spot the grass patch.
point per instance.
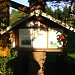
(72, 55)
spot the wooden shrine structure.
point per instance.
(33, 35)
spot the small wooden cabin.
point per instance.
(37, 32)
(33, 36)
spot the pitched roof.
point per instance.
(37, 13)
(65, 25)
(15, 24)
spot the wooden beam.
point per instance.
(19, 6)
(39, 49)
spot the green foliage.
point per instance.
(71, 42)
(49, 11)
(5, 69)
(62, 15)
(16, 15)
(72, 55)
(66, 13)
(57, 14)
(71, 45)
(13, 54)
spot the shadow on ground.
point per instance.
(20, 65)
(54, 65)
(59, 65)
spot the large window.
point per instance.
(54, 40)
(35, 38)
(40, 38)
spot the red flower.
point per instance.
(61, 38)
